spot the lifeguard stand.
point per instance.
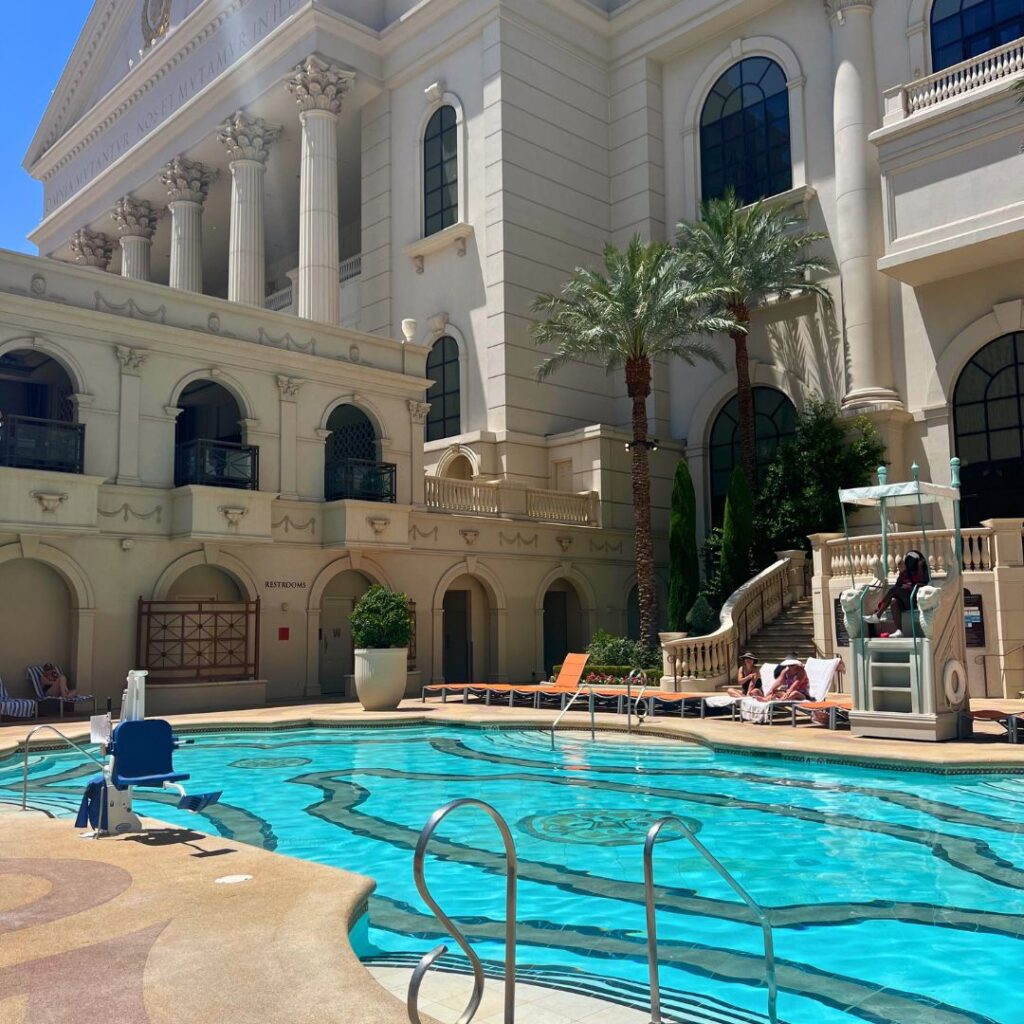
(914, 686)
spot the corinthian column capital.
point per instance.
(187, 180)
(247, 138)
(91, 248)
(134, 217)
(836, 9)
(317, 85)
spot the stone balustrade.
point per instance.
(864, 552)
(708, 662)
(1004, 63)
(511, 500)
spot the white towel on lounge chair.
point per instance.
(820, 673)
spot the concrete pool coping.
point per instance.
(270, 949)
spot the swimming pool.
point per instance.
(895, 896)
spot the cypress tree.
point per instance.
(684, 569)
(737, 533)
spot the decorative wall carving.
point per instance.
(131, 309)
(134, 217)
(289, 525)
(518, 541)
(50, 501)
(126, 510)
(131, 359)
(247, 138)
(317, 85)
(187, 180)
(91, 248)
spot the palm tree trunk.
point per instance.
(638, 387)
(745, 398)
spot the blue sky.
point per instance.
(36, 41)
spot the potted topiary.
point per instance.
(380, 631)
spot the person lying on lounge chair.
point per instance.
(55, 683)
(747, 676)
(790, 684)
(899, 598)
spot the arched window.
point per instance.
(744, 133)
(988, 423)
(774, 422)
(961, 29)
(445, 416)
(440, 172)
(351, 459)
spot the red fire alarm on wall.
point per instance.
(282, 632)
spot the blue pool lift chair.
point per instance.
(140, 753)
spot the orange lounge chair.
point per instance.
(1009, 720)
(568, 682)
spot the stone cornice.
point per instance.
(134, 217)
(247, 138)
(318, 85)
(186, 179)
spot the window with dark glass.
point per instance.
(744, 133)
(774, 422)
(961, 29)
(440, 172)
(988, 424)
(445, 416)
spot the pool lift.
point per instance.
(138, 751)
(914, 686)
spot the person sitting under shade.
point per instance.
(54, 683)
(901, 595)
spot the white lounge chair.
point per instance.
(820, 673)
(34, 674)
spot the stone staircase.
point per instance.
(791, 633)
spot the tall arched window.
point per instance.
(744, 133)
(988, 423)
(440, 171)
(351, 454)
(961, 29)
(445, 416)
(774, 422)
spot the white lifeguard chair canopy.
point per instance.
(905, 492)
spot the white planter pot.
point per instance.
(380, 677)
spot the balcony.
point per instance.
(28, 442)
(949, 152)
(217, 464)
(359, 479)
(508, 500)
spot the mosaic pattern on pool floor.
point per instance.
(894, 897)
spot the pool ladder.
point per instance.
(28, 739)
(511, 875)
(632, 702)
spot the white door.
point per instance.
(336, 658)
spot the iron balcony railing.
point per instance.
(361, 479)
(217, 464)
(28, 442)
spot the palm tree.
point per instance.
(748, 255)
(636, 310)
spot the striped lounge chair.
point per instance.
(17, 707)
(34, 674)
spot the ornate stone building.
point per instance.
(278, 342)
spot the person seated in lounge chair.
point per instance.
(791, 683)
(899, 597)
(747, 676)
(55, 683)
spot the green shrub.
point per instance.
(737, 533)
(606, 649)
(703, 619)
(381, 619)
(683, 567)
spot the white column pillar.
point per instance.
(187, 183)
(136, 222)
(129, 408)
(859, 233)
(288, 435)
(318, 89)
(417, 417)
(247, 140)
(91, 249)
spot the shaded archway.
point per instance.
(564, 629)
(208, 440)
(352, 466)
(336, 651)
(206, 583)
(469, 624)
(458, 468)
(37, 414)
(36, 621)
(988, 426)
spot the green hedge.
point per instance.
(653, 674)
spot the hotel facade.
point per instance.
(276, 343)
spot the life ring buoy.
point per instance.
(954, 682)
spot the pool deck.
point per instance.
(138, 929)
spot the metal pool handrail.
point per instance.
(637, 673)
(24, 770)
(561, 714)
(427, 961)
(652, 934)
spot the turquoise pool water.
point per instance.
(895, 896)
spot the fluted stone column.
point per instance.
(91, 249)
(129, 412)
(859, 238)
(288, 388)
(247, 140)
(187, 183)
(136, 222)
(318, 89)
